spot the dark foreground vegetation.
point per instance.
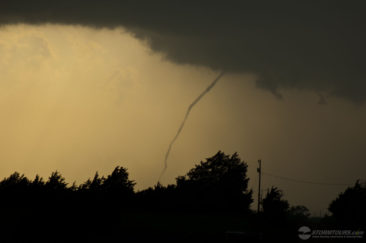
(211, 203)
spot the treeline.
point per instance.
(216, 188)
(219, 183)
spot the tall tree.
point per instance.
(275, 207)
(56, 182)
(350, 206)
(117, 182)
(220, 182)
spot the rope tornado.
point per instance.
(185, 119)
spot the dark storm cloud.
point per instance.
(312, 45)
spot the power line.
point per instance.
(304, 181)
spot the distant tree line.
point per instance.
(217, 185)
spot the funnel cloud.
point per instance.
(185, 119)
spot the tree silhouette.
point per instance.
(350, 206)
(38, 181)
(56, 182)
(213, 195)
(299, 212)
(15, 182)
(117, 182)
(220, 182)
(274, 206)
(94, 185)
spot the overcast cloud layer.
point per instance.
(312, 45)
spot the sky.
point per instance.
(87, 87)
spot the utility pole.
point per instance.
(259, 170)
